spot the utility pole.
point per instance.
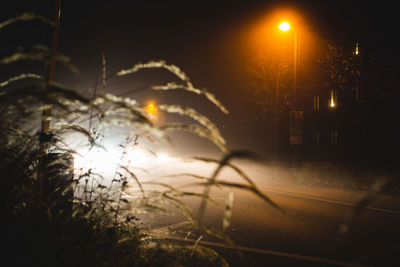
(49, 172)
(297, 115)
(50, 70)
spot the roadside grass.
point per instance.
(55, 216)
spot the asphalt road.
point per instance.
(318, 226)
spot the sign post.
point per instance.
(295, 136)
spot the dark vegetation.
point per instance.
(55, 216)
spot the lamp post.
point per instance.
(285, 26)
(296, 116)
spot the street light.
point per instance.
(296, 116)
(285, 26)
(151, 110)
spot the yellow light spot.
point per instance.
(332, 103)
(356, 51)
(284, 26)
(151, 108)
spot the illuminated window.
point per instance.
(334, 137)
(333, 99)
(316, 102)
(356, 50)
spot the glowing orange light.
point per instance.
(332, 101)
(284, 26)
(151, 109)
(356, 51)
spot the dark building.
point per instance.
(355, 124)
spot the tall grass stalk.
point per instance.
(78, 217)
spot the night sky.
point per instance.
(201, 37)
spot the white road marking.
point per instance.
(330, 201)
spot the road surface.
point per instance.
(318, 226)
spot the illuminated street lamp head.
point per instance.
(284, 26)
(151, 110)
